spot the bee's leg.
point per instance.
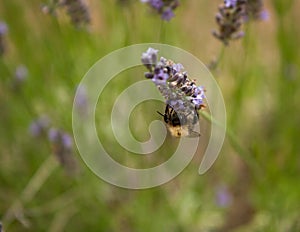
(160, 113)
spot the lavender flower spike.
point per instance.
(78, 12)
(62, 147)
(39, 126)
(181, 94)
(230, 18)
(255, 10)
(167, 14)
(170, 78)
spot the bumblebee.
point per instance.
(180, 124)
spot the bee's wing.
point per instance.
(193, 134)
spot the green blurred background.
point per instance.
(254, 184)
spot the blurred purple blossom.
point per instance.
(39, 126)
(77, 10)
(157, 4)
(230, 3)
(3, 31)
(223, 196)
(62, 146)
(3, 28)
(19, 77)
(54, 135)
(230, 19)
(264, 15)
(21, 73)
(167, 14)
(67, 140)
(81, 101)
(163, 7)
(57, 136)
(255, 10)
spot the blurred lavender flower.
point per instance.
(21, 73)
(163, 7)
(230, 3)
(167, 14)
(223, 196)
(62, 146)
(51, 7)
(181, 93)
(255, 10)
(3, 28)
(39, 126)
(230, 19)
(3, 32)
(20, 76)
(81, 101)
(78, 12)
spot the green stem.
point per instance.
(233, 139)
(62, 218)
(161, 33)
(31, 189)
(214, 63)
